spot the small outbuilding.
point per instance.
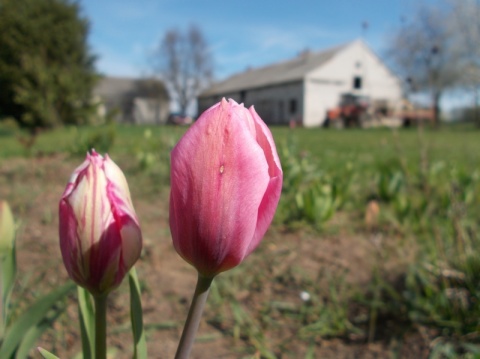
(303, 89)
(138, 101)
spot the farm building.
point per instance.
(303, 89)
(139, 101)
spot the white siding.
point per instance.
(319, 97)
(272, 103)
(324, 86)
(149, 111)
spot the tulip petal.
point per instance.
(219, 177)
(70, 243)
(100, 238)
(266, 142)
(125, 217)
(269, 203)
(118, 191)
(131, 243)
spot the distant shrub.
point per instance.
(101, 138)
(8, 126)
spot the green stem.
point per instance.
(2, 304)
(100, 326)
(194, 316)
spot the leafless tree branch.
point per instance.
(185, 63)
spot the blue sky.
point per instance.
(240, 33)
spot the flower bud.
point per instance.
(226, 180)
(100, 236)
(7, 229)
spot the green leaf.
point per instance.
(30, 318)
(136, 316)
(34, 333)
(46, 354)
(8, 270)
(310, 352)
(86, 313)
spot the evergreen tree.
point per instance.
(46, 68)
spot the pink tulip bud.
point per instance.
(100, 237)
(226, 180)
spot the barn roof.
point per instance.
(121, 88)
(282, 72)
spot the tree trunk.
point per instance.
(436, 108)
(476, 112)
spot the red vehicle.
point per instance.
(179, 119)
(415, 116)
(351, 112)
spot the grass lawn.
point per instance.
(373, 251)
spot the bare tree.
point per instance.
(185, 63)
(423, 52)
(466, 26)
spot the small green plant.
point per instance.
(390, 181)
(18, 334)
(309, 193)
(101, 138)
(328, 315)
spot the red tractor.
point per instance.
(351, 112)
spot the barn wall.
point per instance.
(319, 97)
(275, 104)
(150, 111)
(321, 88)
(324, 86)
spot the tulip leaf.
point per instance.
(136, 316)
(8, 270)
(86, 313)
(35, 332)
(30, 318)
(46, 354)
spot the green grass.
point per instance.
(329, 146)
(427, 184)
(366, 147)
(127, 139)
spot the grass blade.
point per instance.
(136, 316)
(31, 317)
(46, 354)
(35, 332)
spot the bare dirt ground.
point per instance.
(284, 260)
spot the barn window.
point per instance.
(293, 106)
(357, 82)
(243, 94)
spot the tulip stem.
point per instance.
(100, 326)
(194, 316)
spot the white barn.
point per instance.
(304, 88)
(137, 101)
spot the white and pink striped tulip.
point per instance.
(226, 180)
(100, 237)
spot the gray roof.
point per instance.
(119, 88)
(283, 72)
